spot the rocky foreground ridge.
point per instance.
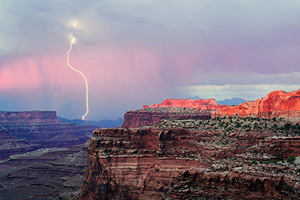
(229, 157)
(41, 157)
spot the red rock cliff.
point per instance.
(201, 104)
(151, 116)
(275, 104)
(171, 109)
(144, 164)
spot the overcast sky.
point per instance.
(136, 52)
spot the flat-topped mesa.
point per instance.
(276, 104)
(171, 109)
(201, 104)
(28, 117)
(21, 132)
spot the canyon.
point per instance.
(177, 149)
(230, 157)
(41, 157)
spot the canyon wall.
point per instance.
(276, 104)
(135, 164)
(32, 130)
(171, 109)
(28, 117)
(149, 163)
(201, 104)
(233, 184)
(151, 116)
(41, 157)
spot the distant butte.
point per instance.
(171, 109)
(201, 104)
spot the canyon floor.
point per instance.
(41, 157)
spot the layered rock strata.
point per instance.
(171, 109)
(276, 104)
(151, 116)
(27, 131)
(39, 156)
(28, 117)
(233, 184)
(214, 157)
(53, 173)
(200, 104)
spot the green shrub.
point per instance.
(254, 162)
(270, 161)
(291, 159)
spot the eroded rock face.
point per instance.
(149, 163)
(171, 109)
(275, 104)
(233, 184)
(39, 156)
(28, 117)
(201, 104)
(151, 116)
(136, 163)
(27, 131)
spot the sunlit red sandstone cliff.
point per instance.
(201, 104)
(171, 109)
(275, 104)
(228, 158)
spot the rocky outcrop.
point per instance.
(233, 184)
(28, 117)
(151, 116)
(201, 104)
(10, 145)
(54, 173)
(147, 163)
(136, 164)
(276, 104)
(41, 157)
(171, 109)
(28, 131)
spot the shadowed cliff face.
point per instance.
(136, 163)
(275, 104)
(32, 130)
(169, 162)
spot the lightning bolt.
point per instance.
(85, 80)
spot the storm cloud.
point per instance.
(137, 52)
